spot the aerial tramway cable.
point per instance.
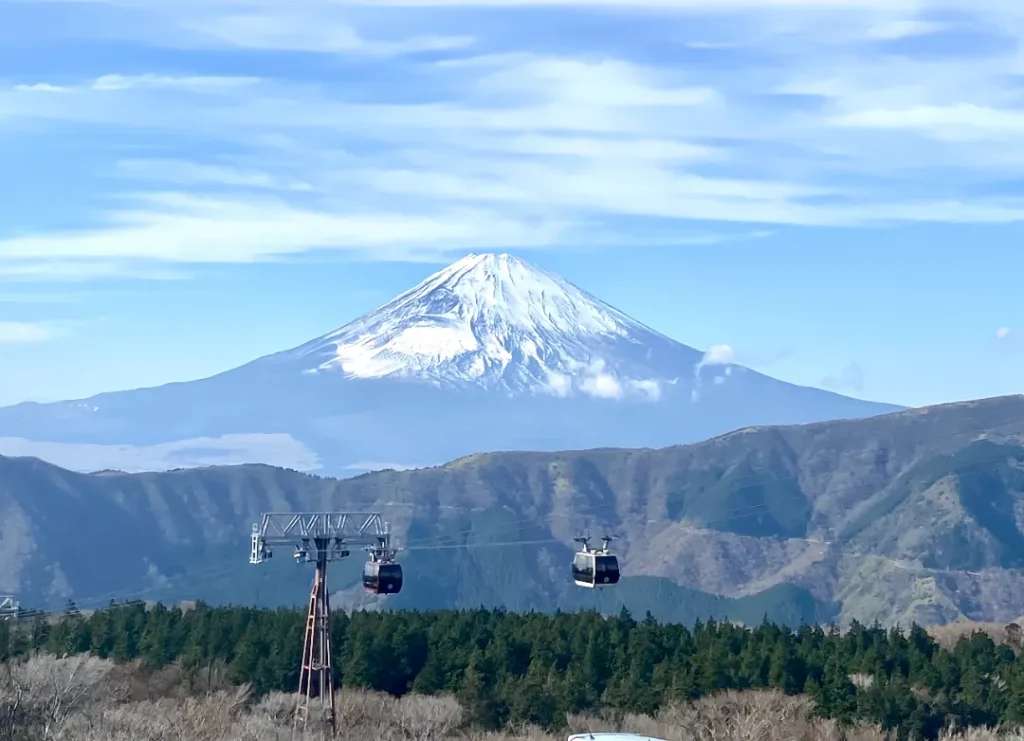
(443, 543)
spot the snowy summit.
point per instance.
(490, 353)
(497, 322)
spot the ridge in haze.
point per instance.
(912, 516)
(489, 353)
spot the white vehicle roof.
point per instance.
(611, 737)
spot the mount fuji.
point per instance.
(494, 322)
(490, 353)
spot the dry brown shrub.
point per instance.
(207, 718)
(276, 707)
(524, 733)
(143, 683)
(734, 716)
(983, 734)
(39, 696)
(363, 715)
(86, 699)
(755, 716)
(421, 717)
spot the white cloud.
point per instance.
(715, 355)
(275, 449)
(24, 332)
(177, 227)
(608, 186)
(490, 144)
(84, 269)
(955, 121)
(559, 385)
(596, 381)
(718, 355)
(40, 87)
(648, 387)
(193, 83)
(1003, 333)
(604, 83)
(305, 28)
(903, 28)
(38, 297)
(661, 150)
(602, 385)
(183, 172)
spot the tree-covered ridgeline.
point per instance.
(537, 667)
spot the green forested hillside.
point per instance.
(908, 516)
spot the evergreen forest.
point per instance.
(534, 668)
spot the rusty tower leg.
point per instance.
(316, 679)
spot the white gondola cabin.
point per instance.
(382, 574)
(594, 568)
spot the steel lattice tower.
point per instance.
(318, 537)
(316, 676)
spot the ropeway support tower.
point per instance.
(10, 608)
(318, 538)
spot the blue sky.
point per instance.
(834, 188)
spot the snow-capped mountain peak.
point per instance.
(494, 320)
(471, 359)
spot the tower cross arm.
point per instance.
(297, 528)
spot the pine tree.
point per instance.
(835, 696)
(249, 655)
(430, 679)
(532, 700)
(362, 662)
(785, 670)
(477, 693)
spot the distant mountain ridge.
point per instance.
(490, 353)
(915, 515)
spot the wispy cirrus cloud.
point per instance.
(47, 269)
(39, 87)
(902, 28)
(25, 332)
(478, 139)
(625, 149)
(119, 82)
(957, 121)
(179, 227)
(287, 27)
(597, 83)
(186, 172)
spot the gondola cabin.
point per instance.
(382, 577)
(595, 569)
